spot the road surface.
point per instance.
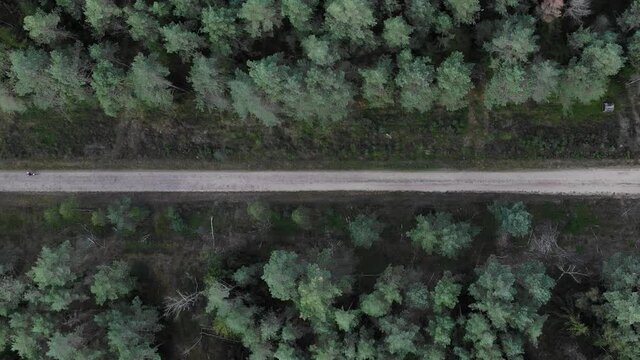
(606, 181)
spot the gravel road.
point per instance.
(605, 181)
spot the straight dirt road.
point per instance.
(606, 181)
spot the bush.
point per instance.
(125, 218)
(259, 212)
(302, 217)
(364, 231)
(98, 218)
(512, 219)
(437, 233)
(176, 222)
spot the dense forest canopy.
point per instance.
(310, 60)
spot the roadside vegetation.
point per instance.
(299, 80)
(271, 278)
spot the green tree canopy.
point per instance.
(351, 20)
(464, 11)
(437, 233)
(415, 81)
(261, 16)
(43, 28)
(178, 39)
(365, 230)
(148, 81)
(209, 84)
(112, 282)
(102, 15)
(220, 24)
(453, 77)
(396, 32)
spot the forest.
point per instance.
(205, 79)
(399, 277)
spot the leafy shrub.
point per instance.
(437, 233)
(124, 218)
(176, 222)
(365, 230)
(98, 218)
(259, 212)
(513, 219)
(302, 217)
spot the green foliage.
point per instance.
(37, 319)
(299, 13)
(111, 88)
(53, 267)
(616, 308)
(378, 88)
(98, 218)
(259, 212)
(346, 320)
(186, 8)
(351, 20)
(131, 330)
(281, 274)
(316, 293)
(417, 296)
(586, 78)
(179, 40)
(247, 101)
(415, 80)
(71, 346)
(246, 275)
(101, 15)
(630, 18)
(401, 336)
(508, 85)
(453, 77)
(512, 219)
(112, 282)
(396, 32)
(11, 291)
(124, 217)
(69, 209)
(437, 233)
(319, 50)
(365, 230)
(142, 25)
(261, 16)
(28, 70)
(302, 216)
(52, 217)
(176, 223)
(387, 292)
(544, 77)
(504, 306)
(43, 27)
(219, 24)
(445, 294)
(53, 275)
(464, 11)
(209, 84)
(148, 81)
(514, 41)
(10, 104)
